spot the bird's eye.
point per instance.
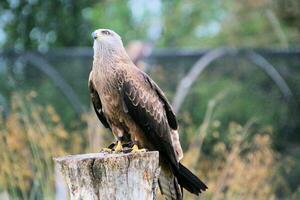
(105, 32)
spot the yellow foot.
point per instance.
(106, 150)
(135, 149)
(119, 147)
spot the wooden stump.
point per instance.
(111, 176)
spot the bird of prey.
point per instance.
(134, 108)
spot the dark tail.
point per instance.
(188, 180)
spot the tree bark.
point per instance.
(111, 176)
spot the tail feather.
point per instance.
(188, 180)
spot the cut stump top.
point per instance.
(111, 175)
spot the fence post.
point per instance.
(111, 176)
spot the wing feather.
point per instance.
(169, 112)
(138, 97)
(97, 105)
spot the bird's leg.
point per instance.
(119, 147)
(135, 148)
(118, 134)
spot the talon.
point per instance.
(112, 145)
(135, 149)
(106, 150)
(119, 147)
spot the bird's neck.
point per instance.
(106, 57)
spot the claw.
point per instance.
(106, 150)
(135, 149)
(119, 147)
(112, 145)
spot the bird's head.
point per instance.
(106, 39)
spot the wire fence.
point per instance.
(68, 68)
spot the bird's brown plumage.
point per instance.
(128, 101)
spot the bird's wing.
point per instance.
(170, 116)
(169, 112)
(149, 108)
(97, 104)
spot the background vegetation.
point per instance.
(238, 131)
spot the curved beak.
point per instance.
(94, 35)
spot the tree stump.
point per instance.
(111, 176)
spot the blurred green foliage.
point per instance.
(29, 139)
(39, 24)
(189, 23)
(248, 92)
